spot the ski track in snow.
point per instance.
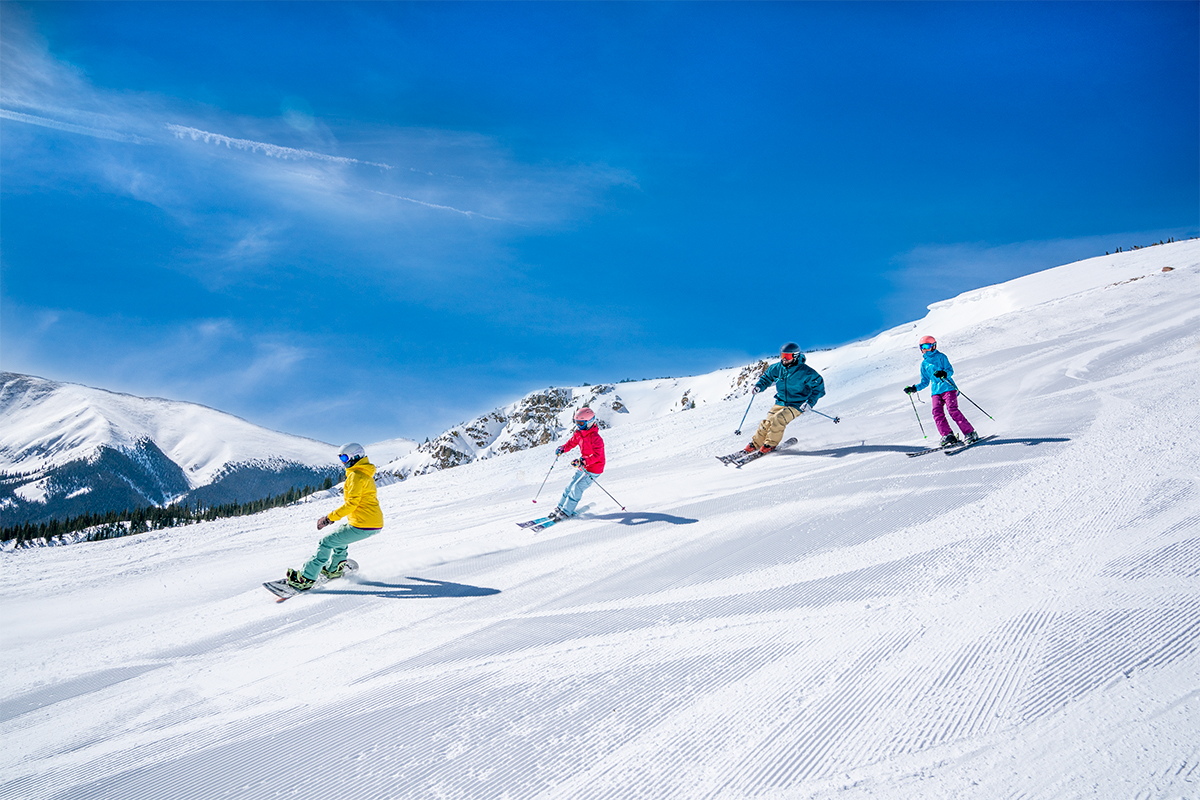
(1020, 620)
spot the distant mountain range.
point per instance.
(546, 415)
(67, 449)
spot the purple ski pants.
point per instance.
(948, 402)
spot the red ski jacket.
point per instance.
(591, 446)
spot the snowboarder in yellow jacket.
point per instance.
(360, 509)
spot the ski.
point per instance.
(283, 591)
(545, 522)
(741, 457)
(929, 450)
(956, 449)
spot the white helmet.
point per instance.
(350, 453)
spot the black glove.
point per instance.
(909, 389)
(941, 373)
(323, 521)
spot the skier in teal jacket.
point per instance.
(798, 387)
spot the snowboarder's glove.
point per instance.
(941, 373)
(558, 451)
(909, 389)
(323, 521)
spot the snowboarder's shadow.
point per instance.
(644, 517)
(426, 589)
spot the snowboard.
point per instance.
(282, 591)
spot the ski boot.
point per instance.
(558, 515)
(972, 437)
(949, 440)
(766, 448)
(750, 448)
(297, 581)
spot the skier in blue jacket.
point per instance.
(798, 387)
(935, 373)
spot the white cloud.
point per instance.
(272, 150)
(69, 127)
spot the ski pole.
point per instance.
(914, 405)
(615, 500)
(836, 420)
(960, 391)
(543, 486)
(738, 432)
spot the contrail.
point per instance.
(272, 150)
(435, 205)
(57, 125)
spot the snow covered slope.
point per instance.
(72, 443)
(1020, 620)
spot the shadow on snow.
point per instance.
(643, 517)
(867, 449)
(426, 589)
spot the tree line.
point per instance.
(115, 524)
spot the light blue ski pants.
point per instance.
(333, 548)
(574, 491)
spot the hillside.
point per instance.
(1021, 620)
(67, 449)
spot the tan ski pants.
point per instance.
(770, 431)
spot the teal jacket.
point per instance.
(795, 384)
(935, 361)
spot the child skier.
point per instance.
(798, 387)
(936, 371)
(363, 518)
(588, 465)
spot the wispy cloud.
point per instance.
(435, 205)
(929, 273)
(68, 127)
(293, 166)
(272, 150)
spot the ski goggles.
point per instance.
(785, 357)
(925, 348)
(583, 423)
(345, 459)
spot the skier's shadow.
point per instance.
(857, 450)
(426, 589)
(1031, 442)
(643, 518)
(867, 449)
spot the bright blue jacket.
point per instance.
(935, 361)
(795, 384)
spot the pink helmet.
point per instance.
(928, 343)
(585, 418)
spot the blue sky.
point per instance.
(361, 221)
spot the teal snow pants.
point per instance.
(334, 546)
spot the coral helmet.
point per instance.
(584, 418)
(928, 343)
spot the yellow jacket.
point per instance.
(361, 506)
